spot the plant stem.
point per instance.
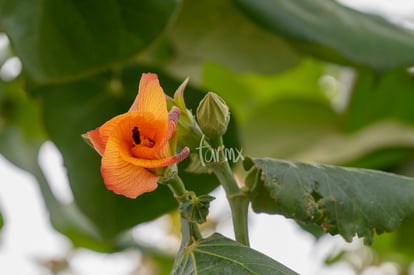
(238, 200)
(177, 187)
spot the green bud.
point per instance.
(213, 115)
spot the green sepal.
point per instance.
(196, 208)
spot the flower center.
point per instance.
(139, 140)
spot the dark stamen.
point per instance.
(135, 135)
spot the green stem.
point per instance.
(177, 187)
(238, 200)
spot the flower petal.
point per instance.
(125, 178)
(151, 97)
(97, 141)
(173, 117)
(100, 135)
(157, 163)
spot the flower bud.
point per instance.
(213, 115)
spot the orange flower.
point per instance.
(134, 144)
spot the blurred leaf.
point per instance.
(287, 127)
(216, 31)
(247, 93)
(388, 96)
(153, 260)
(59, 40)
(220, 255)
(68, 220)
(73, 109)
(21, 131)
(397, 246)
(156, 265)
(346, 148)
(281, 115)
(21, 135)
(336, 33)
(345, 201)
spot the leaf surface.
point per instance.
(345, 201)
(220, 255)
(334, 32)
(217, 31)
(58, 40)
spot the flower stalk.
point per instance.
(238, 200)
(177, 187)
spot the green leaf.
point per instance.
(345, 201)
(220, 255)
(336, 33)
(397, 246)
(288, 126)
(21, 130)
(389, 96)
(58, 40)
(247, 93)
(280, 115)
(207, 31)
(72, 109)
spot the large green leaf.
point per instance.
(220, 255)
(216, 31)
(345, 201)
(72, 109)
(334, 32)
(64, 39)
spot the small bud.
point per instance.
(213, 115)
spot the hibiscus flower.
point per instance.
(135, 145)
